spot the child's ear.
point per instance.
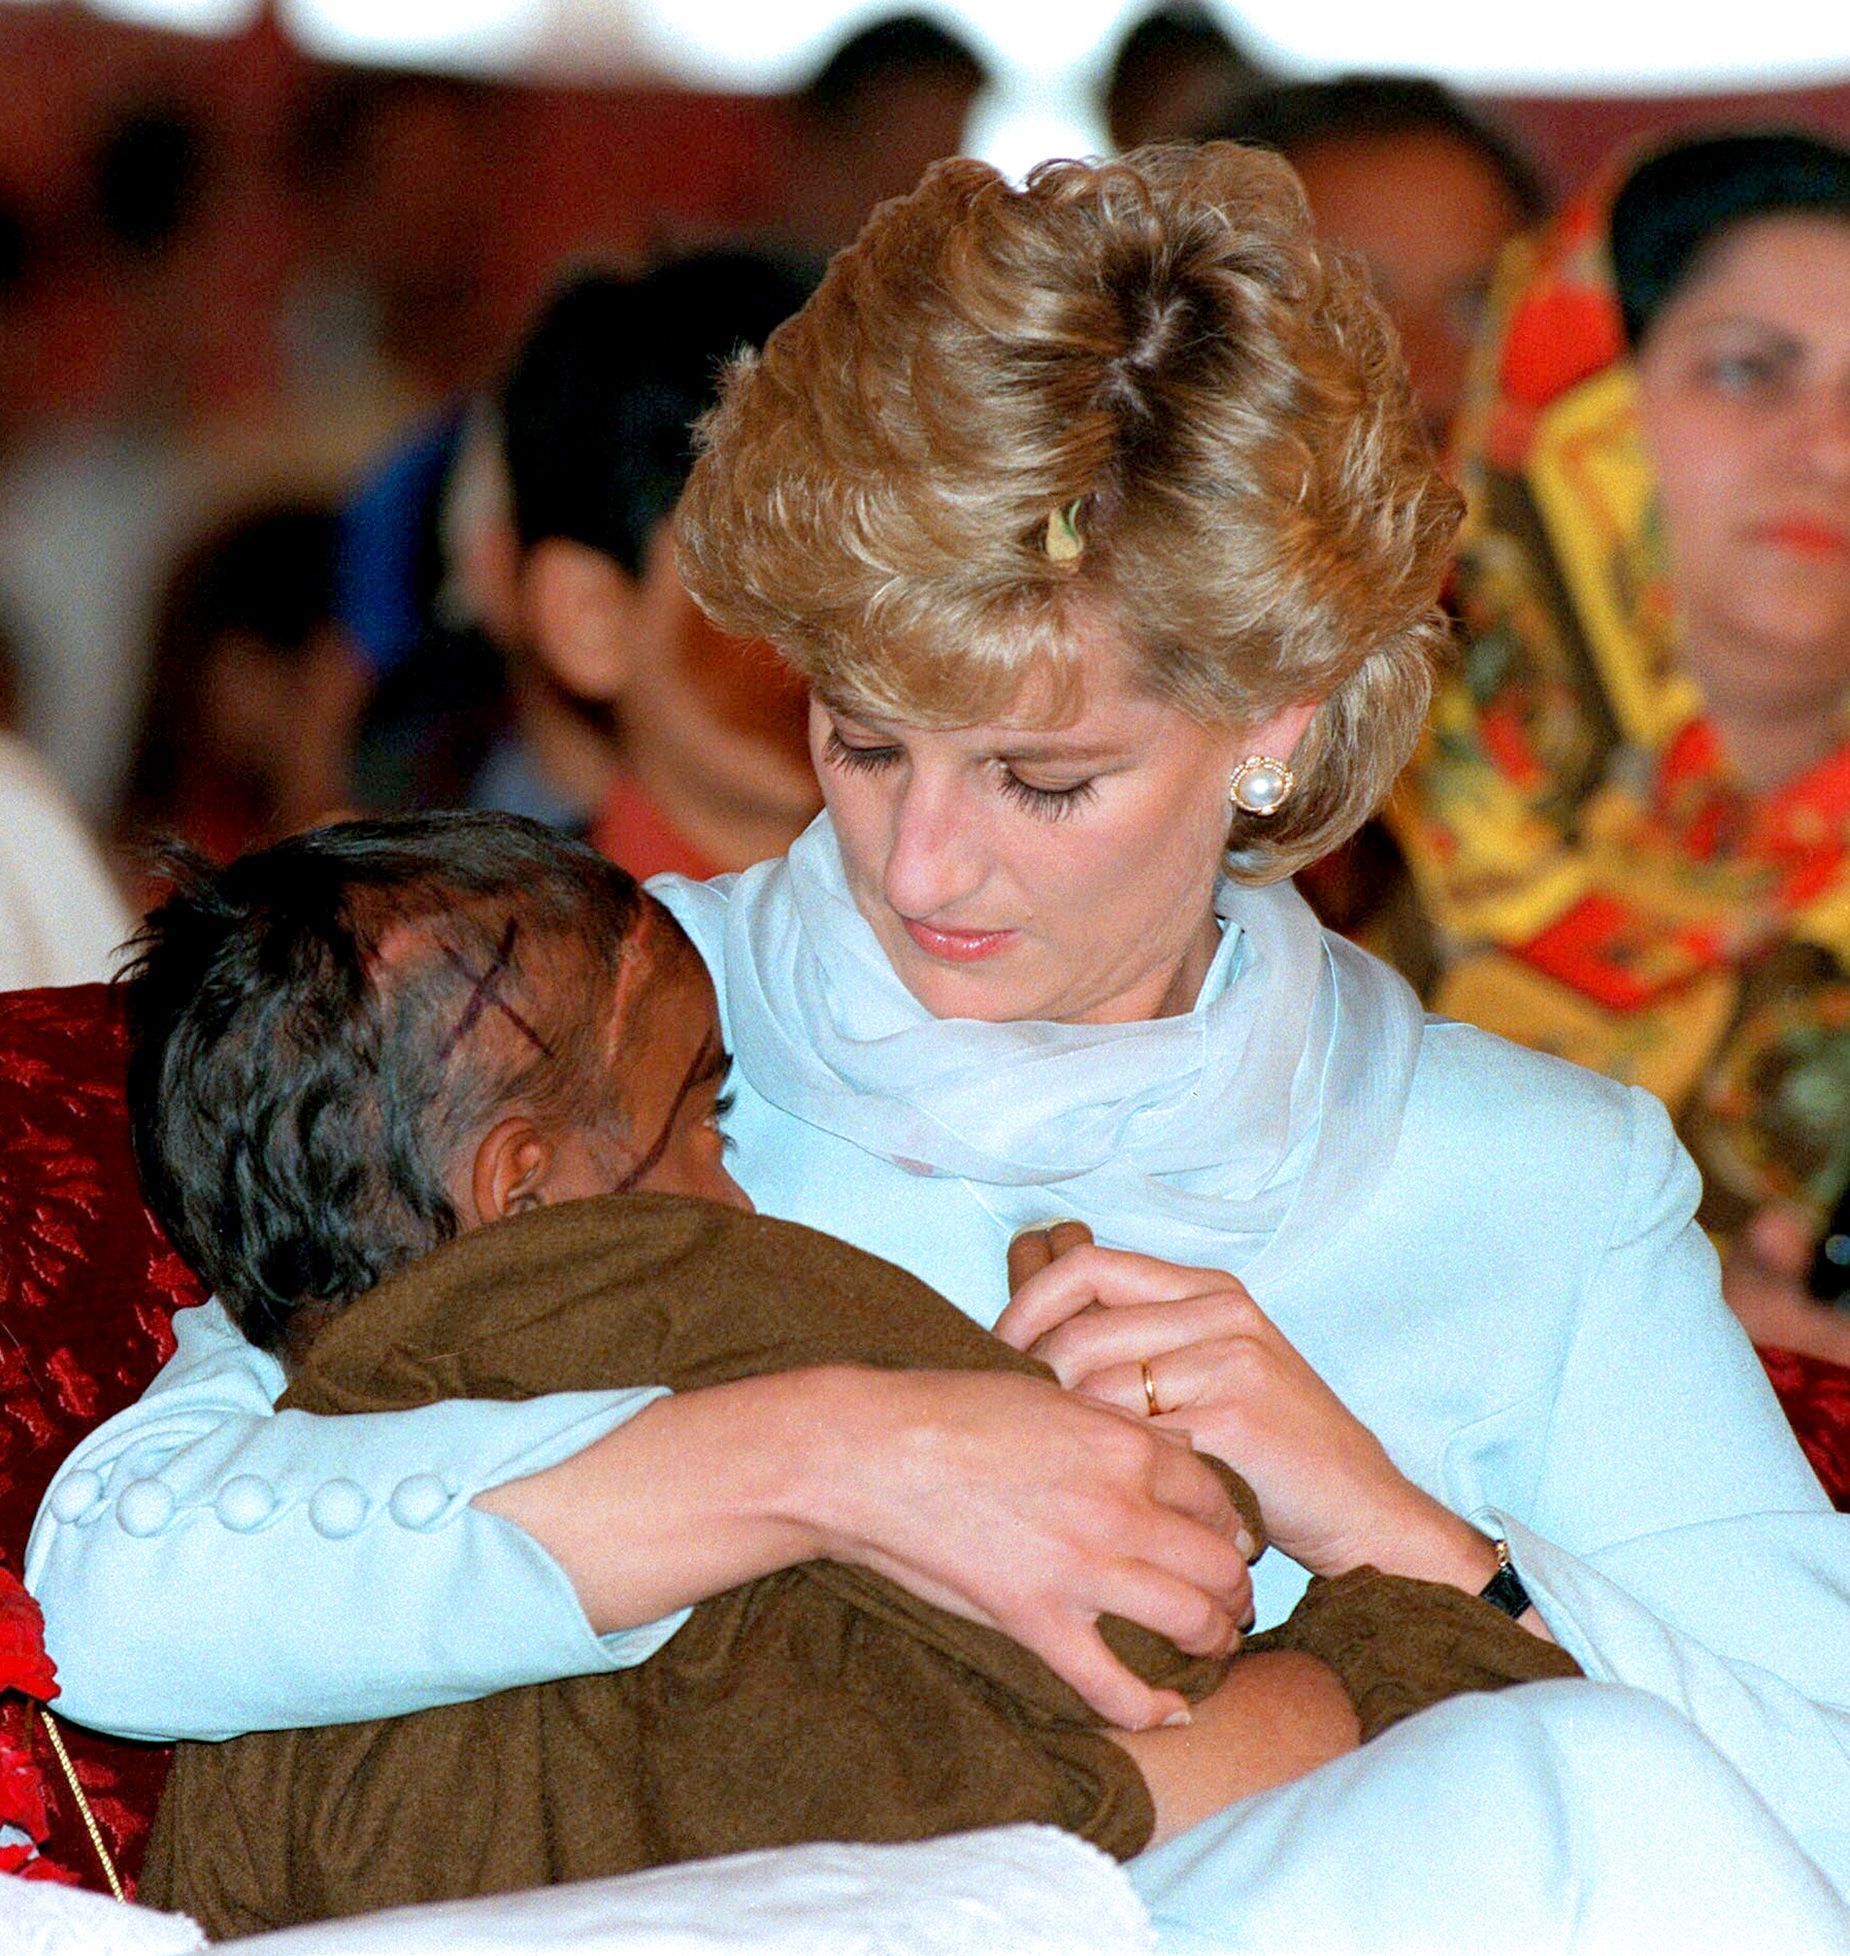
(511, 1165)
(580, 612)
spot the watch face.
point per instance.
(1504, 1591)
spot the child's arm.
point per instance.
(1278, 1715)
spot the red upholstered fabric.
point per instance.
(87, 1285)
(1816, 1396)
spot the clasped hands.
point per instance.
(1190, 1352)
(1117, 1328)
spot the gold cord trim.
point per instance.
(77, 1794)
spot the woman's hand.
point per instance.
(1223, 1374)
(999, 1497)
(1018, 1505)
(1763, 1279)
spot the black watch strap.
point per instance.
(1504, 1591)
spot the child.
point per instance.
(393, 1059)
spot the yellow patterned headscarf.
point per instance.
(1600, 882)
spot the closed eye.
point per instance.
(1051, 804)
(842, 754)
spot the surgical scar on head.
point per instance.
(486, 992)
(706, 1064)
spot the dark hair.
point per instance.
(315, 1031)
(267, 574)
(1676, 205)
(328, 146)
(896, 49)
(1181, 32)
(149, 172)
(598, 410)
(1292, 116)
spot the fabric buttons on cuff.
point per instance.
(419, 1501)
(78, 1496)
(145, 1507)
(338, 1509)
(246, 1501)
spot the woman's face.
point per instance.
(1017, 869)
(1429, 213)
(1745, 388)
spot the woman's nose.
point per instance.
(1825, 432)
(932, 862)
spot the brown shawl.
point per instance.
(821, 1702)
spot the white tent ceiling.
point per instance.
(1046, 54)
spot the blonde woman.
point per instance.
(1099, 519)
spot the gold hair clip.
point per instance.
(1063, 543)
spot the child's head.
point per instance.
(597, 423)
(352, 1046)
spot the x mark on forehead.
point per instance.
(486, 992)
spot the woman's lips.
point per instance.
(1807, 536)
(956, 946)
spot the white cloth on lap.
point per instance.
(44, 1918)
(1008, 1891)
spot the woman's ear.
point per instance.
(509, 1173)
(1279, 736)
(581, 613)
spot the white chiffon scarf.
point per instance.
(1262, 1114)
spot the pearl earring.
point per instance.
(1260, 785)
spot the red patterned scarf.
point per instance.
(1601, 883)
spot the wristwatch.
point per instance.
(1504, 1591)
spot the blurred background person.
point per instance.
(1177, 76)
(427, 587)
(1630, 829)
(1427, 190)
(94, 500)
(398, 307)
(61, 915)
(891, 99)
(254, 689)
(175, 382)
(631, 719)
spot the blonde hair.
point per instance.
(1152, 358)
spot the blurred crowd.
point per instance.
(325, 487)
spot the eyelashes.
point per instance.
(864, 760)
(1050, 804)
(722, 1106)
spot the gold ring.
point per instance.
(1149, 1386)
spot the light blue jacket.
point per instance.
(1518, 1304)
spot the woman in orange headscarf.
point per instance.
(1630, 827)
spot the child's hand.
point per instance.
(1034, 1249)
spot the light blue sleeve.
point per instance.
(208, 1565)
(1678, 1542)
